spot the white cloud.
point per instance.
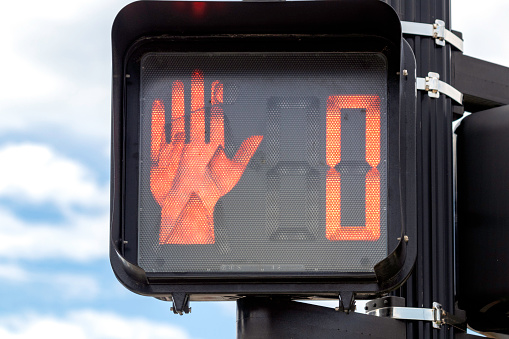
(68, 286)
(58, 74)
(14, 273)
(50, 10)
(27, 81)
(86, 324)
(71, 286)
(484, 27)
(36, 174)
(79, 238)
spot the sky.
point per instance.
(55, 276)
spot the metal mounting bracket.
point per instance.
(346, 302)
(436, 31)
(434, 87)
(393, 307)
(180, 303)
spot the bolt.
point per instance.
(405, 72)
(405, 238)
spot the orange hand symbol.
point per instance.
(187, 179)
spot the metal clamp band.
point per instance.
(436, 30)
(393, 307)
(412, 313)
(434, 87)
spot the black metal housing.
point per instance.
(483, 219)
(347, 25)
(484, 84)
(282, 318)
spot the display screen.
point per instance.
(262, 162)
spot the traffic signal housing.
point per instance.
(262, 148)
(483, 219)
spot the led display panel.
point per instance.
(262, 163)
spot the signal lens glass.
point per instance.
(263, 162)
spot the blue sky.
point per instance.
(55, 277)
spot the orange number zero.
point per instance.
(371, 230)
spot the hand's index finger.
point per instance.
(216, 114)
(197, 108)
(158, 136)
(177, 109)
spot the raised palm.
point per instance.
(187, 179)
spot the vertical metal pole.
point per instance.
(433, 277)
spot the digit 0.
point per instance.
(371, 230)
